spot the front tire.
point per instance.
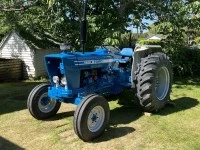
(40, 105)
(91, 117)
(154, 81)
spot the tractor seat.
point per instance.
(126, 55)
(125, 52)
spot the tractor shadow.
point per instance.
(179, 104)
(127, 112)
(5, 144)
(113, 133)
(124, 115)
(14, 96)
(60, 116)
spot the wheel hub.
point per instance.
(162, 83)
(45, 101)
(96, 118)
(46, 104)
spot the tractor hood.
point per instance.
(98, 57)
(71, 64)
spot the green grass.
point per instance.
(172, 128)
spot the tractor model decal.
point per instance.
(89, 62)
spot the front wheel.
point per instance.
(154, 81)
(91, 117)
(40, 105)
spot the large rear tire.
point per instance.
(154, 81)
(40, 105)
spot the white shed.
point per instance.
(16, 45)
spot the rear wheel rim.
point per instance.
(96, 119)
(162, 83)
(46, 104)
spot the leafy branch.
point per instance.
(17, 5)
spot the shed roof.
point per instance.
(4, 39)
(32, 40)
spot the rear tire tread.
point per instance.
(145, 81)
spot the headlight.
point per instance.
(55, 79)
(63, 80)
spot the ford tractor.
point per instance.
(84, 78)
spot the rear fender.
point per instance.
(141, 52)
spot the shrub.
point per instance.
(186, 61)
(150, 42)
(197, 40)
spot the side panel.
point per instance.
(72, 72)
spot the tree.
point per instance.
(180, 20)
(59, 20)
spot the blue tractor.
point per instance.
(83, 78)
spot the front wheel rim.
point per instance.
(162, 83)
(46, 104)
(96, 119)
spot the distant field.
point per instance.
(172, 128)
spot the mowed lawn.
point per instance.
(172, 128)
